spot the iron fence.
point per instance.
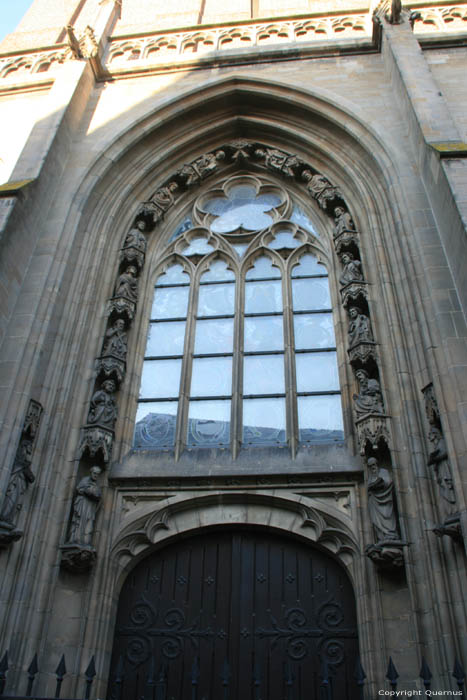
(156, 684)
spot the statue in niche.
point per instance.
(103, 409)
(136, 238)
(278, 160)
(116, 340)
(380, 487)
(352, 270)
(21, 477)
(369, 399)
(439, 458)
(343, 221)
(319, 187)
(85, 507)
(359, 327)
(127, 284)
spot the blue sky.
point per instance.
(11, 12)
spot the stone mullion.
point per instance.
(289, 359)
(187, 366)
(237, 367)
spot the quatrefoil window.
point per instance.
(243, 205)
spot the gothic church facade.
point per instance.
(233, 331)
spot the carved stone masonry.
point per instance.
(98, 434)
(361, 342)
(134, 247)
(20, 478)
(320, 188)
(78, 554)
(112, 363)
(372, 430)
(369, 400)
(386, 552)
(439, 461)
(280, 161)
(199, 169)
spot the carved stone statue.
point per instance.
(103, 409)
(352, 270)
(85, 507)
(21, 477)
(127, 284)
(277, 160)
(395, 16)
(359, 327)
(116, 340)
(369, 399)
(319, 187)
(343, 221)
(380, 488)
(136, 238)
(439, 458)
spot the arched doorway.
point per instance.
(235, 614)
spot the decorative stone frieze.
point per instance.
(354, 293)
(164, 47)
(21, 476)
(362, 353)
(121, 307)
(452, 18)
(372, 430)
(110, 367)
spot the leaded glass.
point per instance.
(285, 239)
(175, 274)
(170, 302)
(208, 424)
(160, 379)
(218, 272)
(308, 265)
(264, 421)
(155, 425)
(320, 418)
(198, 246)
(242, 208)
(314, 331)
(317, 371)
(263, 374)
(211, 376)
(263, 297)
(264, 333)
(166, 338)
(182, 227)
(311, 294)
(299, 217)
(216, 300)
(263, 268)
(214, 336)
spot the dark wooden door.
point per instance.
(235, 614)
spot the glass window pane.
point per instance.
(299, 217)
(317, 371)
(216, 300)
(184, 226)
(264, 333)
(320, 418)
(170, 302)
(174, 275)
(212, 376)
(160, 379)
(243, 208)
(311, 294)
(155, 425)
(240, 248)
(308, 266)
(214, 336)
(264, 421)
(166, 338)
(218, 272)
(208, 424)
(263, 267)
(261, 297)
(198, 246)
(314, 331)
(263, 374)
(285, 239)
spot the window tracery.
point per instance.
(241, 310)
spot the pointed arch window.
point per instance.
(241, 350)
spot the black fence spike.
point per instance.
(89, 674)
(458, 673)
(225, 673)
(60, 673)
(3, 671)
(391, 674)
(325, 684)
(195, 678)
(151, 679)
(425, 673)
(360, 676)
(257, 679)
(32, 672)
(161, 687)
